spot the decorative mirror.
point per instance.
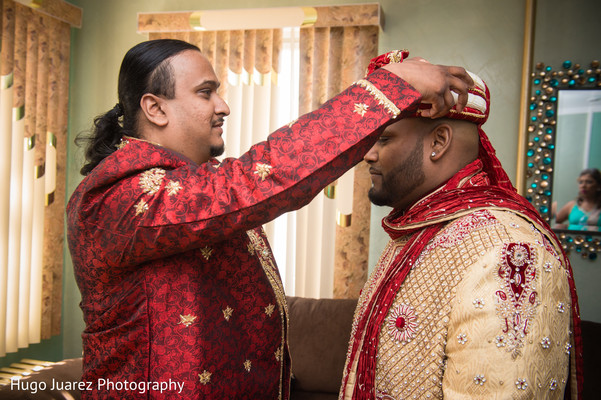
(564, 138)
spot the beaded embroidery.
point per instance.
(205, 377)
(150, 181)
(402, 323)
(517, 299)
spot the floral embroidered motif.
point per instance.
(361, 108)
(187, 320)
(521, 384)
(500, 341)
(279, 356)
(206, 252)
(561, 307)
(380, 97)
(458, 230)
(517, 299)
(150, 181)
(553, 384)
(205, 377)
(141, 207)
(462, 338)
(247, 365)
(227, 313)
(263, 170)
(173, 187)
(479, 379)
(548, 267)
(478, 303)
(545, 342)
(402, 323)
(269, 310)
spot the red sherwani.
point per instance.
(180, 293)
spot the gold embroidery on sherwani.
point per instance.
(251, 249)
(141, 207)
(361, 108)
(173, 187)
(227, 313)
(206, 252)
(150, 181)
(263, 170)
(205, 377)
(187, 320)
(122, 143)
(268, 263)
(380, 97)
(269, 310)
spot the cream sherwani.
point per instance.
(483, 314)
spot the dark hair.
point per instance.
(596, 175)
(145, 69)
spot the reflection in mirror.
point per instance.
(576, 180)
(564, 138)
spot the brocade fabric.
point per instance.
(178, 283)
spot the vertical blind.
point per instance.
(34, 78)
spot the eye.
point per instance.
(205, 92)
(383, 139)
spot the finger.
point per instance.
(461, 73)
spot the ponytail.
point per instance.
(103, 140)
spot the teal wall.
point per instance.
(484, 36)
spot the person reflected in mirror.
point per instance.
(178, 282)
(473, 296)
(583, 213)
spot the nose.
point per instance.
(221, 106)
(372, 155)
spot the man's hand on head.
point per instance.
(436, 84)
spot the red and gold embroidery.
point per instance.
(150, 181)
(247, 365)
(517, 298)
(251, 249)
(187, 320)
(402, 323)
(263, 170)
(205, 377)
(227, 313)
(458, 230)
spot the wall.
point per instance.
(484, 36)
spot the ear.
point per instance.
(153, 108)
(440, 140)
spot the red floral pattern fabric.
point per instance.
(178, 284)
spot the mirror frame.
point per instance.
(540, 150)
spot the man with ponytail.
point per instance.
(177, 279)
(473, 296)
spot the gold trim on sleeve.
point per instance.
(380, 97)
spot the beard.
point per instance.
(216, 151)
(400, 181)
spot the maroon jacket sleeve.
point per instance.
(141, 204)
